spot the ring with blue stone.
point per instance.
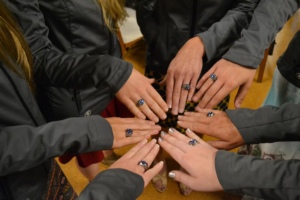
(186, 87)
(140, 103)
(129, 132)
(213, 77)
(193, 142)
(210, 114)
(144, 164)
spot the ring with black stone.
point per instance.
(144, 164)
(213, 77)
(210, 114)
(193, 142)
(140, 103)
(129, 132)
(186, 87)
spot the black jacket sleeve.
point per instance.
(24, 147)
(276, 179)
(268, 123)
(221, 35)
(114, 184)
(52, 68)
(268, 18)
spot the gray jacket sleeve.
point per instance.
(276, 179)
(24, 147)
(221, 35)
(114, 184)
(268, 123)
(64, 70)
(268, 18)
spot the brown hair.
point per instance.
(113, 12)
(14, 51)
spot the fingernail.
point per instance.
(166, 109)
(157, 146)
(160, 139)
(145, 141)
(180, 117)
(197, 108)
(161, 162)
(170, 106)
(189, 130)
(181, 110)
(154, 140)
(172, 175)
(164, 117)
(178, 122)
(172, 130)
(163, 133)
(156, 120)
(239, 105)
(175, 112)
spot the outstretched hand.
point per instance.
(218, 126)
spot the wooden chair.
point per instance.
(263, 63)
(129, 33)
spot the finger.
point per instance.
(158, 99)
(184, 178)
(134, 110)
(163, 82)
(205, 77)
(192, 135)
(151, 80)
(198, 128)
(220, 96)
(175, 152)
(149, 175)
(202, 112)
(169, 89)
(183, 96)
(221, 145)
(210, 93)
(151, 103)
(241, 94)
(203, 90)
(151, 156)
(144, 151)
(135, 149)
(195, 119)
(193, 88)
(176, 96)
(146, 110)
(117, 120)
(182, 143)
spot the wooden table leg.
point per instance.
(263, 66)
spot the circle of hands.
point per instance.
(185, 68)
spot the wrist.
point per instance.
(201, 45)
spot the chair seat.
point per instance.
(130, 29)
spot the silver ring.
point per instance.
(210, 114)
(193, 142)
(144, 164)
(213, 77)
(129, 132)
(186, 87)
(140, 103)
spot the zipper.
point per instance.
(19, 95)
(194, 16)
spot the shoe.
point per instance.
(109, 160)
(162, 179)
(185, 190)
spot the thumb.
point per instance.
(184, 178)
(219, 144)
(241, 94)
(149, 175)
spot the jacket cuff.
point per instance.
(243, 60)
(225, 172)
(244, 125)
(209, 50)
(104, 133)
(122, 74)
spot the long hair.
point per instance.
(113, 12)
(14, 51)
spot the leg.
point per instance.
(89, 172)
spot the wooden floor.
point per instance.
(253, 100)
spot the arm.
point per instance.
(221, 35)
(53, 68)
(277, 179)
(268, 18)
(268, 123)
(114, 184)
(23, 147)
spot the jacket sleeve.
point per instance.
(276, 179)
(23, 147)
(221, 35)
(267, 124)
(64, 70)
(268, 18)
(114, 184)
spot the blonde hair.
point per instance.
(113, 12)
(14, 51)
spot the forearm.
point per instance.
(114, 184)
(269, 17)
(23, 147)
(267, 124)
(277, 179)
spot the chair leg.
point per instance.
(263, 66)
(123, 48)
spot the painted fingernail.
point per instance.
(172, 130)
(157, 146)
(172, 175)
(160, 139)
(163, 133)
(189, 130)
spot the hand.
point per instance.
(230, 76)
(140, 152)
(142, 129)
(198, 161)
(218, 126)
(185, 68)
(139, 87)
